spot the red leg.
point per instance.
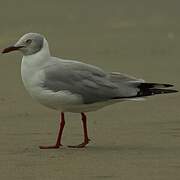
(86, 139)
(58, 141)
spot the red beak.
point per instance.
(11, 48)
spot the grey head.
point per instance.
(28, 44)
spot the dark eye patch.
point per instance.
(29, 41)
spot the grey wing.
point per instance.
(90, 82)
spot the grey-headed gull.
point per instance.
(72, 86)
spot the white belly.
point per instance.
(62, 100)
(33, 77)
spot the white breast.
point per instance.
(33, 76)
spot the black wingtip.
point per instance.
(149, 89)
(168, 85)
(154, 85)
(150, 92)
(171, 91)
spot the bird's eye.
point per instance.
(28, 41)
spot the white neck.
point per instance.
(31, 67)
(45, 48)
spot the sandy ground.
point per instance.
(131, 140)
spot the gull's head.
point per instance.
(28, 44)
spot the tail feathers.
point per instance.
(149, 89)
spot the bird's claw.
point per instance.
(82, 145)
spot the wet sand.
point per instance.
(130, 140)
